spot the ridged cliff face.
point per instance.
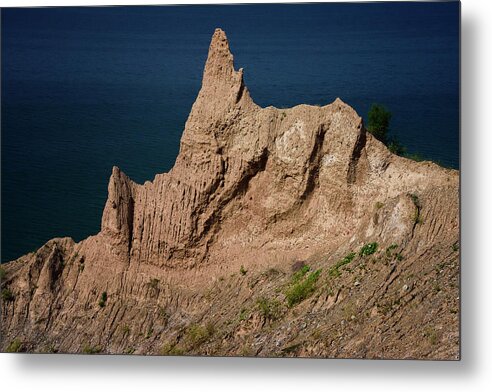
(202, 247)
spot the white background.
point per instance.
(472, 373)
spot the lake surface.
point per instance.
(84, 89)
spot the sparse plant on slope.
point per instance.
(302, 286)
(7, 295)
(368, 249)
(335, 270)
(15, 346)
(88, 349)
(270, 309)
(103, 300)
(198, 334)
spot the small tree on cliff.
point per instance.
(378, 122)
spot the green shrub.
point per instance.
(87, 349)
(243, 314)
(297, 276)
(242, 270)
(302, 288)
(270, 309)
(396, 147)
(335, 270)
(390, 249)
(431, 334)
(378, 122)
(15, 346)
(198, 334)
(368, 249)
(171, 349)
(103, 300)
(7, 295)
(2, 274)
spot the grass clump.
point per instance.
(2, 274)
(335, 270)
(243, 271)
(125, 329)
(15, 346)
(171, 349)
(431, 334)
(270, 309)
(455, 247)
(198, 334)
(417, 219)
(130, 350)
(103, 300)
(7, 295)
(297, 276)
(87, 349)
(368, 249)
(154, 283)
(302, 286)
(243, 314)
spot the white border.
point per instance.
(119, 373)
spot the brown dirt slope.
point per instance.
(200, 260)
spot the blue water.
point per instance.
(84, 89)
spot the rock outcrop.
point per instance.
(198, 261)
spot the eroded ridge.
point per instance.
(206, 249)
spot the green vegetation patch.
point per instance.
(379, 119)
(302, 286)
(15, 346)
(270, 309)
(7, 295)
(87, 349)
(243, 314)
(198, 334)
(171, 349)
(103, 300)
(335, 270)
(368, 249)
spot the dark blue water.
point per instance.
(84, 89)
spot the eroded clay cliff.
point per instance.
(199, 261)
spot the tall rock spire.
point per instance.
(220, 61)
(222, 86)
